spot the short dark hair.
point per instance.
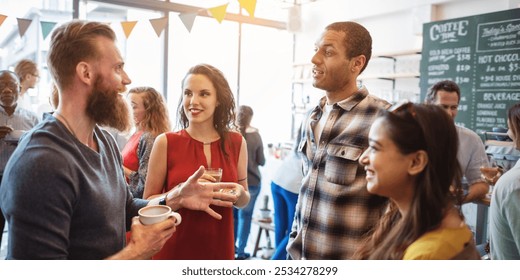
(9, 72)
(445, 85)
(357, 39)
(244, 117)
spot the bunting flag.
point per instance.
(2, 18)
(23, 24)
(249, 5)
(218, 12)
(188, 19)
(47, 27)
(159, 24)
(128, 26)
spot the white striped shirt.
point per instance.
(21, 119)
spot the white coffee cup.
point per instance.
(153, 214)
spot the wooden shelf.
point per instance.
(390, 76)
(395, 54)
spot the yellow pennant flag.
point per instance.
(128, 26)
(249, 5)
(2, 18)
(218, 12)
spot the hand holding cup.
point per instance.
(491, 174)
(153, 214)
(4, 130)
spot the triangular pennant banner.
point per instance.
(188, 19)
(249, 5)
(128, 26)
(47, 27)
(2, 18)
(218, 12)
(23, 24)
(159, 24)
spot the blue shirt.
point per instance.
(504, 216)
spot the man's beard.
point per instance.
(107, 108)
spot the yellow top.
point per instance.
(440, 244)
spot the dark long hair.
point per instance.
(224, 116)
(414, 128)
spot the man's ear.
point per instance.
(357, 63)
(84, 72)
(418, 162)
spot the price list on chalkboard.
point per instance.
(482, 55)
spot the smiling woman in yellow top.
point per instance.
(412, 159)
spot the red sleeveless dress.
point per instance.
(200, 236)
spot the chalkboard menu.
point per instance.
(482, 55)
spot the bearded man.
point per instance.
(63, 192)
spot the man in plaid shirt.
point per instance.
(335, 210)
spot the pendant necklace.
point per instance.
(69, 127)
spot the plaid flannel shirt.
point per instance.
(334, 209)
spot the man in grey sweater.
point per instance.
(63, 192)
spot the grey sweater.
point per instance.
(63, 200)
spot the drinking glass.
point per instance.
(215, 173)
(491, 173)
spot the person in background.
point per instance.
(12, 118)
(255, 158)
(207, 116)
(52, 103)
(150, 119)
(63, 191)
(471, 153)
(504, 212)
(29, 75)
(412, 161)
(285, 185)
(334, 209)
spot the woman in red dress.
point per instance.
(207, 116)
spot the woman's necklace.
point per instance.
(68, 126)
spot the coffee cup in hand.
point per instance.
(153, 214)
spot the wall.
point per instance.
(393, 24)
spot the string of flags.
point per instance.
(158, 24)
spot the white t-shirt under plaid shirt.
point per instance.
(335, 210)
